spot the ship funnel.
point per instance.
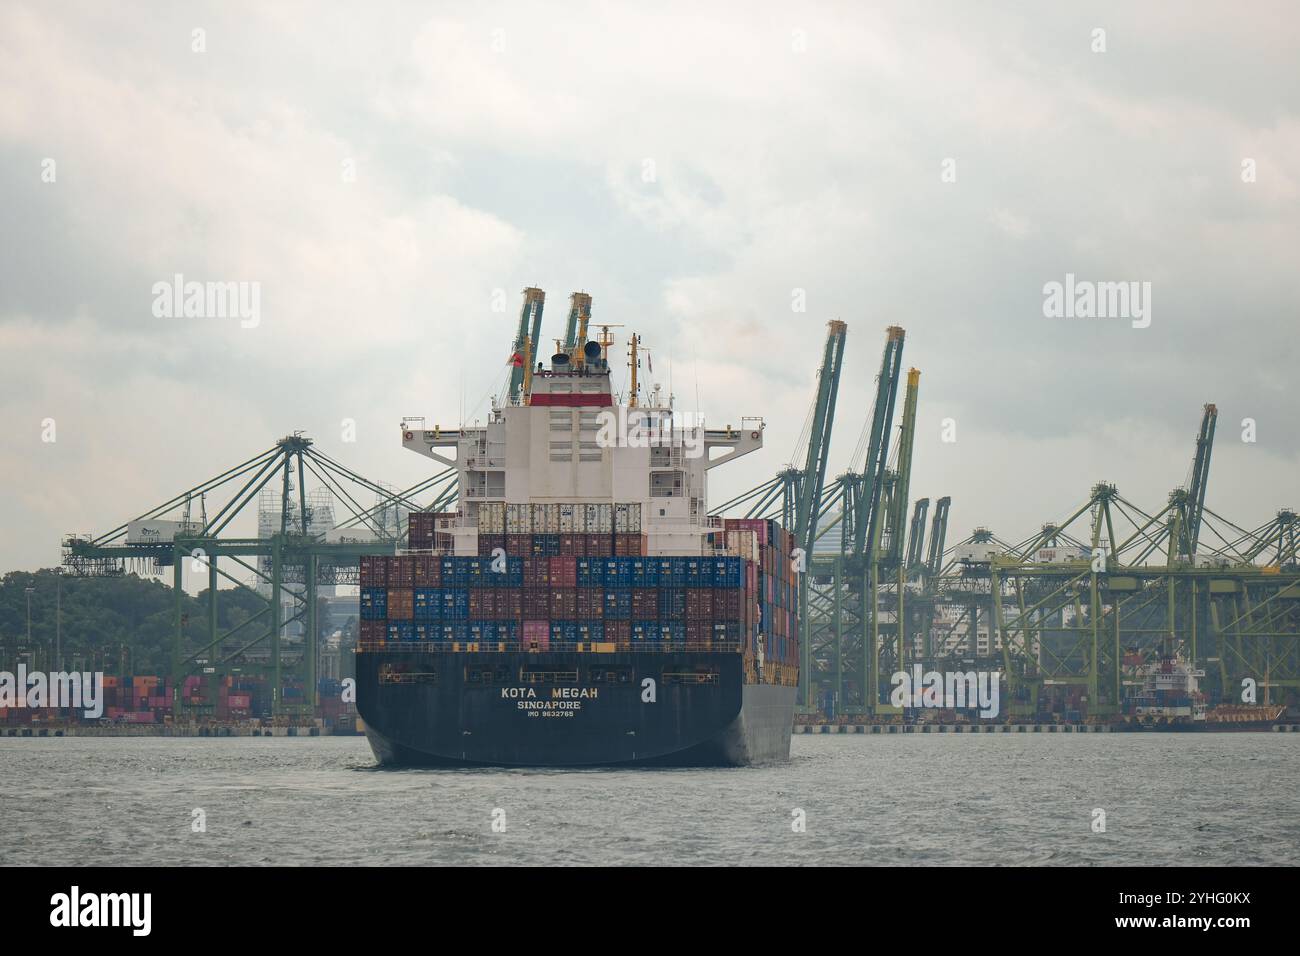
(591, 351)
(559, 362)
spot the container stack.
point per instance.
(770, 547)
(566, 584)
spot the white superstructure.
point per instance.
(566, 443)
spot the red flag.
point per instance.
(516, 360)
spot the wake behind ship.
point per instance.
(580, 608)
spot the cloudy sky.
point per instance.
(383, 170)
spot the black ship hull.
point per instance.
(569, 709)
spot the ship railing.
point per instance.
(651, 646)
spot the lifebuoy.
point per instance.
(753, 434)
(408, 436)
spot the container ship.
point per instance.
(1169, 699)
(581, 607)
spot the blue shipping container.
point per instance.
(374, 604)
(428, 604)
(618, 604)
(453, 572)
(591, 572)
(645, 573)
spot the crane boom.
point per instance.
(819, 438)
(1200, 477)
(906, 435)
(938, 532)
(530, 329)
(868, 485)
(575, 332)
(916, 535)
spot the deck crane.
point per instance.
(526, 339)
(575, 332)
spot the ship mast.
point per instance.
(633, 363)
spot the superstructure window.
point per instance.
(665, 484)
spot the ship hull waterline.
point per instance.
(571, 710)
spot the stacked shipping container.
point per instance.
(573, 585)
(771, 550)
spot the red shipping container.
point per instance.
(401, 571)
(564, 604)
(510, 604)
(535, 603)
(536, 635)
(619, 632)
(428, 571)
(487, 543)
(401, 604)
(537, 572)
(373, 571)
(699, 604)
(567, 544)
(726, 604)
(645, 604)
(373, 630)
(591, 603)
(628, 545)
(477, 609)
(563, 570)
(697, 631)
(518, 545)
(238, 701)
(600, 546)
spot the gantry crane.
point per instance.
(796, 495)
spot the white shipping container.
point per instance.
(621, 518)
(591, 519)
(492, 517)
(518, 519)
(566, 519)
(538, 518)
(604, 520)
(743, 544)
(552, 513)
(633, 517)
